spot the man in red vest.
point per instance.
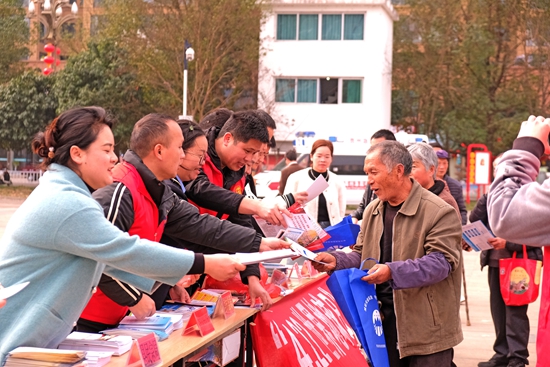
(141, 204)
(230, 147)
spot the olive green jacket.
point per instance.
(428, 318)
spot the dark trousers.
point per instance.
(439, 359)
(511, 323)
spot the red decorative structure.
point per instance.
(50, 60)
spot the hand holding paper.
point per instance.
(269, 244)
(10, 291)
(324, 262)
(221, 266)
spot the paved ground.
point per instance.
(478, 337)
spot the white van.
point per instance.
(347, 163)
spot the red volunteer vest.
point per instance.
(101, 308)
(216, 177)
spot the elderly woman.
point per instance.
(424, 171)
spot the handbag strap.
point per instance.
(368, 258)
(524, 253)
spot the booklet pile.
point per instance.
(169, 318)
(114, 344)
(44, 357)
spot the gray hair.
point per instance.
(425, 154)
(391, 153)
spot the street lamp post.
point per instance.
(51, 15)
(189, 56)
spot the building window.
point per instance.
(351, 91)
(329, 90)
(353, 26)
(285, 90)
(306, 27)
(309, 24)
(286, 26)
(332, 27)
(307, 91)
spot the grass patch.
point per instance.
(15, 192)
(470, 206)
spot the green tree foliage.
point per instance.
(470, 71)
(14, 36)
(101, 76)
(27, 105)
(223, 33)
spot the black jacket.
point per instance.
(480, 213)
(456, 191)
(184, 225)
(368, 196)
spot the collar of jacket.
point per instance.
(410, 205)
(154, 187)
(211, 135)
(60, 172)
(437, 187)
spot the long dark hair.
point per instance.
(75, 127)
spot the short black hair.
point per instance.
(245, 125)
(266, 117)
(150, 130)
(217, 118)
(291, 155)
(383, 133)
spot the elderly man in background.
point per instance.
(415, 236)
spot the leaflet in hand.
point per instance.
(477, 235)
(316, 188)
(300, 228)
(302, 251)
(258, 257)
(10, 291)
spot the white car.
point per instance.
(348, 167)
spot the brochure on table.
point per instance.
(477, 235)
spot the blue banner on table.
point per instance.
(358, 299)
(342, 235)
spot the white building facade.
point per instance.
(325, 67)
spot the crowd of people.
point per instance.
(99, 238)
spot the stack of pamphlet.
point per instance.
(161, 325)
(97, 359)
(44, 357)
(114, 344)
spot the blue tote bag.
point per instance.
(359, 304)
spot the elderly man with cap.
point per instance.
(454, 185)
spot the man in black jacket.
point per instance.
(155, 156)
